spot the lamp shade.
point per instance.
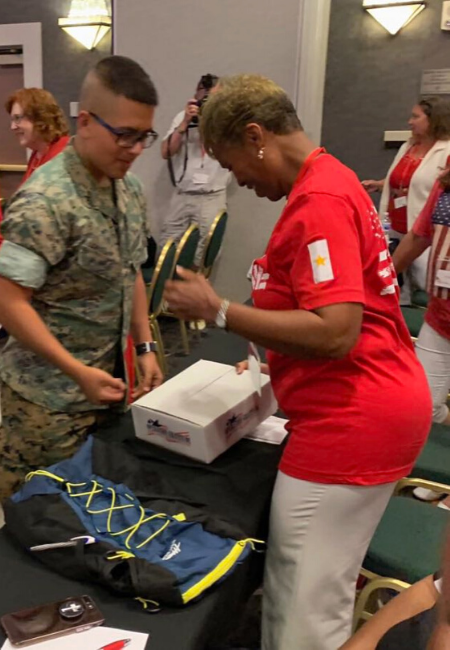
(88, 22)
(393, 15)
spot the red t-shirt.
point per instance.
(433, 223)
(362, 419)
(53, 150)
(399, 182)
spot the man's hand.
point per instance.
(192, 297)
(190, 111)
(99, 386)
(151, 375)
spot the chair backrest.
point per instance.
(213, 243)
(420, 298)
(163, 271)
(187, 248)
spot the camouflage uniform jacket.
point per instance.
(80, 251)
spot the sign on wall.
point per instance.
(435, 82)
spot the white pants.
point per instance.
(433, 351)
(415, 276)
(318, 538)
(185, 209)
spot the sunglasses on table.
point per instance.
(128, 138)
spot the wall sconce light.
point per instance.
(88, 22)
(393, 15)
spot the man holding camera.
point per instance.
(200, 182)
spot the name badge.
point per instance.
(400, 202)
(442, 279)
(200, 179)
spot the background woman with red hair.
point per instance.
(39, 124)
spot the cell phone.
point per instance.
(51, 620)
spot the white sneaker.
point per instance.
(424, 494)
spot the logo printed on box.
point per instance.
(236, 422)
(155, 428)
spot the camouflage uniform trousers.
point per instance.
(32, 437)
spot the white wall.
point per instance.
(29, 36)
(178, 41)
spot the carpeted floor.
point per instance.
(173, 345)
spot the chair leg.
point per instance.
(156, 332)
(361, 613)
(184, 336)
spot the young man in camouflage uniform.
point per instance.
(70, 282)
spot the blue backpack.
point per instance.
(88, 527)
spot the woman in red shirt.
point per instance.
(340, 359)
(432, 229)
(39, 124)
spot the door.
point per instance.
(13, 157)
(20, 66)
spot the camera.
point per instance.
(207, 82)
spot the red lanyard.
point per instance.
(318, 151)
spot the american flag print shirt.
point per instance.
(439, 262)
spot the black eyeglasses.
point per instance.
(128, 138)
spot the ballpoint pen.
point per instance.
(82, 539)
(116, 645)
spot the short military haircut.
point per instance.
(123, 76)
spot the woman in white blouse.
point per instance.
(411, 177)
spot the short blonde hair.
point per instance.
(41, 108)
(241, 100)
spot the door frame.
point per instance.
(29, 37)
(312, 50)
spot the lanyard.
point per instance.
(175, 182)
(318, 151)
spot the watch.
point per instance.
(221, 317)
(143, 348)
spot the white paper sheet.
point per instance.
(271, 430)
(254, 365)
(97, 638)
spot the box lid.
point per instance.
(201, 393)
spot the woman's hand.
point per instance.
(373, 186)
(192, 297)
(243, 365)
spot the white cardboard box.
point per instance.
(203, 410)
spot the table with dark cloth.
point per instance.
(237, 486)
